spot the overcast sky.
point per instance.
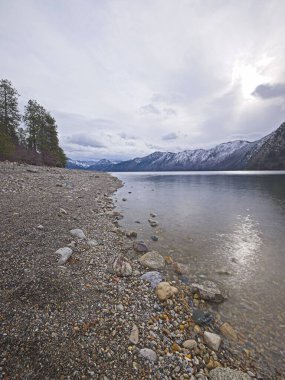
(124, 78)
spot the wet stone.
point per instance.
(140, 246)
(153, 277)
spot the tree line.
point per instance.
(30, 138)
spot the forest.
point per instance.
(30, 137)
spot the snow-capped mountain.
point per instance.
(266, 153)
(79, 164)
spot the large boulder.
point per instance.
(152, 260)
(120, 266)
(208, 291)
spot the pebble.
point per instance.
(152, 260)
(164, 291)
(190, 344)
(120, 266)
(78, 233)
(212, 340)
(153, 277)
(40, 227)
(228, 331)
(134, 336)
(65, 254)
(140, 246)
(227, 374)
(92, 243)
(208, 291)
(153, 223)
(148, 354)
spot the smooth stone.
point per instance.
(77, 233)
(153, 223)
(92, 243)
(212, 340)
(148, 354)
(208, 291)
(153, 215)
(201, 317)
(228, 331)
(65, 254)
(131, 234)
(164, 291)
(120, 266)
(134, 336)
(154, 238)
(153, 277)
(152, 260)
(140, 246)
(190, 344)
(181, 268)
(227, 374)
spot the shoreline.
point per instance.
(74, 320)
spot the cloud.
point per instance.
(126, 136)
(116, 73)
(149, 109)
(169, 112)
(267, 91)
(84, 140)
(170, 136)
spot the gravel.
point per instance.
(74, 320)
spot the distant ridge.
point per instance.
(267, 153)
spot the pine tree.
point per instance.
(9, 114)
(42, 136)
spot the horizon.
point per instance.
(124, 79)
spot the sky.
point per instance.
(125, 78)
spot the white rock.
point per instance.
(65, 254)
(40, 227)
(134, 336)
(92, 243)
(77, 233)
(148, 354)
(63, 211)
(227, 373)
(190, 344)
(212, 340)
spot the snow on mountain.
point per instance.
(233, 155)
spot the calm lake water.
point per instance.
(229, 221)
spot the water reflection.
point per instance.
(217, 220)
(240, 249)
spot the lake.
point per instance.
(230, 228)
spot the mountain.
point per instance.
(78, 164)
(102, 165)
(267, 153)
(271, 156)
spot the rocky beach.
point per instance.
(83, 299)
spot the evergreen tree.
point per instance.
(42, 134)
(9, 114)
